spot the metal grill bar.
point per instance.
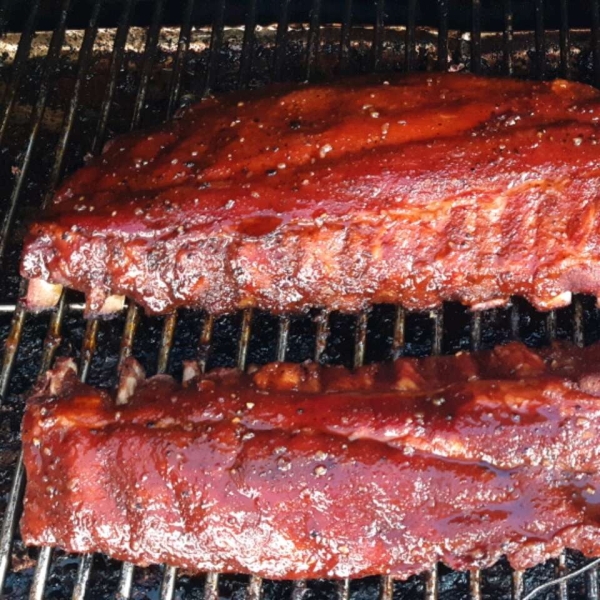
(565, 40)
(216, 40)
(85, 55)
(12, 343)
(36, 120)
(561, 570)
(475, 331)
(540, 40)
(244, 338)
(515, 321)
(83, 576)
(578, 325)
(475, 584)
(432, 584)
(88, 348)
(360, 339)
(592, 584)
(517, 584)
(149, 57)
(437, 317)
(378, 33)
(313, 38)
(167, 585)
(166, 342)
(345, 35)
(508, 37)
(211, 586)
(443, 35)
(343, 589)
(299, 589)
(281, 38)
(551, 325)
(282, 339)
(115, 66)
(322, 323)
(595, 8)
(41, 573)
(247, 44)
(399, 332)
(183, 45)
(131, 323)
(205, 342)
(387, 588)
(409, 40)
(255, 587)
(126, 581)
(476, 37)
(10, 519)
(19, 66)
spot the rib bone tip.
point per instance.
(558, 301)
(42, 295)
(99, 304)
(191, 371)
(113, 303)
(56, 376)
(132, 373)
(489, 304)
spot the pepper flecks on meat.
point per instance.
(425, 189)
(293, 471)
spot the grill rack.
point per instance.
(447, 48)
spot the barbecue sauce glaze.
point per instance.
(296, 471)
(388, 188)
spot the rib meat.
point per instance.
(297, 471)
(404, 189)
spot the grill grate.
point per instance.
(198, 60)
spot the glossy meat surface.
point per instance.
(303, 471)
(403, 189)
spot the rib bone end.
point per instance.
(112, 304)
(191, 371)
(42, 295)
(563, 299)
(56, 376)
(132, 373)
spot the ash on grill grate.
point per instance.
(64, 92)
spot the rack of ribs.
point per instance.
(293, 471)
(409, 189)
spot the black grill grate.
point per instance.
(142, 76)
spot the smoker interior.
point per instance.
(77, 73)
